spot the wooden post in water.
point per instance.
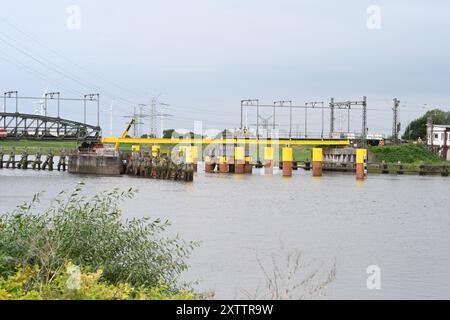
(287, 162)
(317, 162)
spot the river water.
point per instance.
(248, 226)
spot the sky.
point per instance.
(202, 57)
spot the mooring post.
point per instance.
(287, 162)
(361, 163)
(317, 162)
(268, 160)
(239, 160)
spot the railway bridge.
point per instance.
(17, 126)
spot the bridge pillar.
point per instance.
(268, 160)
(361, 164)
(317, 162)
(287, 162)
(239, 160)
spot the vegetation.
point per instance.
(418, 128)
(35, 146)
(69, 283)
(131, 257)
(408, 154)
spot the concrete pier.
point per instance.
(92, 163)
(239, 160)
(287, 157)
(268, 160)
(361, 164)
(317, 162)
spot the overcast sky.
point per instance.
(204, 56)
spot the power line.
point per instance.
(55, 52)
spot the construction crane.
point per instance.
(125, 133)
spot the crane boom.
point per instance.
(124, 133)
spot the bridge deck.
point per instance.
(294, 142)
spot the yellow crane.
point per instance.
(124, 134)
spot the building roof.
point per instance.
(443, 126)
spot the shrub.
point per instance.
(92, 234)
(26, 284)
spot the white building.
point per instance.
(438, 140)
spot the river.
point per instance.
(250, 224)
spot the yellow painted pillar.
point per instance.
(361, 164)
(194, 151)
(188, 156)
(268, 160)
(239, 160)
(287, 158)
(156, 151)
(317, 162)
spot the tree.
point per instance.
(418, 127)
(168, 134)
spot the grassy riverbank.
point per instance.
(413, 154)
(33, 146)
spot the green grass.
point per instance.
(35, 146)
(408, 153)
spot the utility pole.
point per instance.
(250, 103)
(92, 97)
(395, 122)
(313, 105)
(8, 95)
(364, 122)
(331, 117)
(281, 104)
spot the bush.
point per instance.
(92, 234)
(27, 284)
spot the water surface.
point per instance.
(399, 223)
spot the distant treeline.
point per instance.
(418, 128)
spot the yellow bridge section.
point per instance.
(294, 142)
